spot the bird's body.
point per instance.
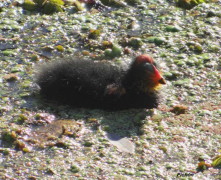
(89, 84)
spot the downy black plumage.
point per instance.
(89, 84)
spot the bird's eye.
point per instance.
(149, 67)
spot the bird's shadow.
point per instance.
(123, 123)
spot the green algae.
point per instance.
(8, 137)
(166, 143)
(9, 52)
(116, 51)
(29, 5)
(188, 4)
(216, 162)
(157, 40)
(45, 6)
(52, 7)
(74, 169)
(113, 3)
(60, 48)
(135, 42)
(173, 28)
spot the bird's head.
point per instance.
(147, 68)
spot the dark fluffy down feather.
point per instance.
(88, 84)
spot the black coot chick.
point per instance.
(89, 84)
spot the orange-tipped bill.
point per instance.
(157, 79)
(162, 81)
